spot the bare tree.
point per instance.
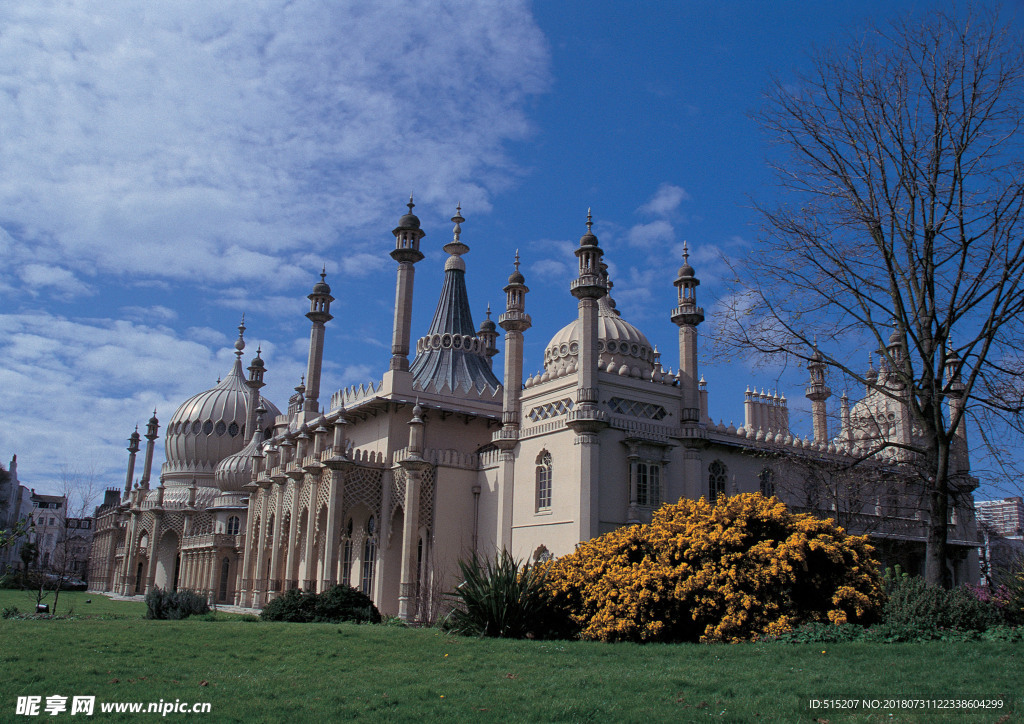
(71, 555)
(900, 230)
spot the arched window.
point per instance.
(369, 554)
(767, 481)
(346, 556)
(225, 567)
(716, 480)
(233, 525)
(544, 480)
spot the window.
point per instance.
(648, 484)
(767, 480)
(369, 554)
(346, 556)
(544, 480)
(716, 480)
(233, 525)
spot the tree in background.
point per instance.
(899, 228)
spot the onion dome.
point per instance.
(872, 374)
(235, 471)
(410, 220)
(686, 271)
(589, 239)
(488, 324)
(620, 345)
(209, 426)
(322, 287)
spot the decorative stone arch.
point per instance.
(167, 561)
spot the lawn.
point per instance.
(73, 603)
(254, 671)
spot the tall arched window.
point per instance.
(346, 556)
(225, 568)
(716, 480)
(767, 481)
(369, 554)
(544, 480)
(233, 525)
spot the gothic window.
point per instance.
(544, 480)
(648, 484)
(233, 525)
(369, 554)
(716, 480)
(767, 481)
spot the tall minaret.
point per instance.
(151, 433)
(406, 253)
(133, 449)
(514, 321)
(255, 383)
(960, 460)
(319, 314)
(586, 419)
(687, 315)
(817, 393)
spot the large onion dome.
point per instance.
(235, 471)
(207, 428)
(622, 348)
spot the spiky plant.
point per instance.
(502, 598)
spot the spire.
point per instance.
(451, 353)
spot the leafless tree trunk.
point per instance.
(79, 491)
(900, 230)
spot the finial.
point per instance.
(259, 349)
(590, 220)
(240, 342)
(323, 272)
(488, 310)
(457, 220)
(516, 262)
(410, 204)
(686, 252)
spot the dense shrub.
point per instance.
(737, 570)
(915, 606)
(501, 598)
(336, 604)
(174, 605)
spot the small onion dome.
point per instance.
(322, 287)
(894, 338)
(516, 277)
(410, 220)
(872, 374)
(817, 356)
(488, 325)
(589, 239)
(686, 270)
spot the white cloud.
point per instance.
(655, 234)
(665, 201)
(197, 141)
(53, 281)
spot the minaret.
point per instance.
(414, 466)
(588, 287)
(151, 433)
(960, 460)
(488, 334)
(133, 448)
(406, 253)
(687, 315)
(257, 368)
(586, 419)
(319, 314)
(514, 321)
(817, 393)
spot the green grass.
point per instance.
(73, 603)
(256, 671)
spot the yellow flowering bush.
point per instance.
(737, 570)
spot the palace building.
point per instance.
(386, 486)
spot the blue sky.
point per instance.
(165, 168)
